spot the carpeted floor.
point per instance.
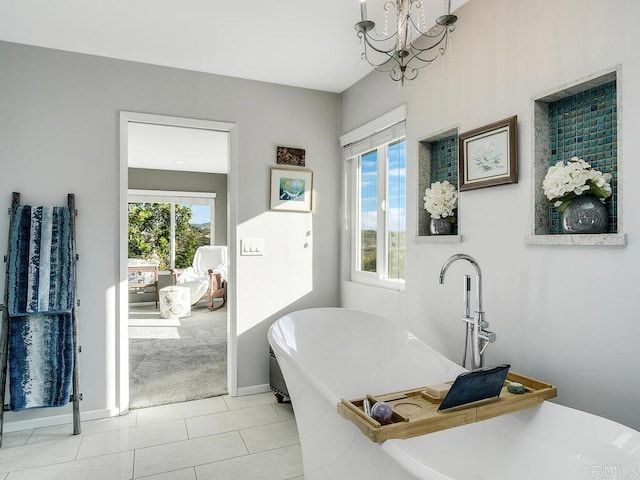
(176, 360)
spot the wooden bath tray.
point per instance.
(416, 413)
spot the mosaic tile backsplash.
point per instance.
(444, 163)
(585, 125)
(444, 160)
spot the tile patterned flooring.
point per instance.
(220, 438)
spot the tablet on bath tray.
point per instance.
(476, 385)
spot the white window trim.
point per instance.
(395, 116)
(173, 198)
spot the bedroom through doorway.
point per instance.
(177, 331)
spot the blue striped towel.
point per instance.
(40, 361)
(40, 261)
(41, 298)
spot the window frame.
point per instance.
(380, 277)
(176, 198)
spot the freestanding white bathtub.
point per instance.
(331, 353)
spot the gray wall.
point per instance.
(147, 179)
(59, 120)
(565, 314)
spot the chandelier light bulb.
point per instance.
(363, 10)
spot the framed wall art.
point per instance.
(291, 189)
(488, 155)
(290, 156)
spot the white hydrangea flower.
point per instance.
(564, 182)
(441, 199)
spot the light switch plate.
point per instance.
(252, 246)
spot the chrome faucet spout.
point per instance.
(476, 325)
(472, 261)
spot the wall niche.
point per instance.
(579, 120)
(437, 162)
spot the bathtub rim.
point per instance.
(313, 380)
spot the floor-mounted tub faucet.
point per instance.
(476, 325)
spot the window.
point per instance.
(379, 224)
(377, 201)
(169, 226)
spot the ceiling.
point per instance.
(302, 43)
(164, 147)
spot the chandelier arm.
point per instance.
(417, 54)
(425, 61)
(411, 73)
(385, 39)
(393, 66)
(379, 50)
(390, 60)
(417, 51)
(439, 29)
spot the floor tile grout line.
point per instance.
(213, 413)
(30, 435)
(133, 467)
(82, 437)
(247, 455)
(193, 466)
(222, 459)
(274, 448)
(237, 429)
(243, 442)
(177, 441)
(186, 428)
(273, 405)
(66, 462)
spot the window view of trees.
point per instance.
(150, 233)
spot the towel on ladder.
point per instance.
(40, 361)
(40, 261)
(41, 299)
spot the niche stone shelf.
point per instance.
(578, 119)
(438, 239)
(437, 162)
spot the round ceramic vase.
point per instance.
(440, 226)
(585, 214)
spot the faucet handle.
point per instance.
(487, 336)
(484, 324)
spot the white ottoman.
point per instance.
(175, 302)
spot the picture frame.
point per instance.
(488, 155)
(291, 190)
(290, 156)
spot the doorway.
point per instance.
(164, 356)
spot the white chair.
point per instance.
(207, 277)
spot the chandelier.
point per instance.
(405, 45)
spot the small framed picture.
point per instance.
(290, 156)
(291, 189)
(488, 155)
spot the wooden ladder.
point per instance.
(76, 396)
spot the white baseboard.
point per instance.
(252, 390)
(67, 418)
